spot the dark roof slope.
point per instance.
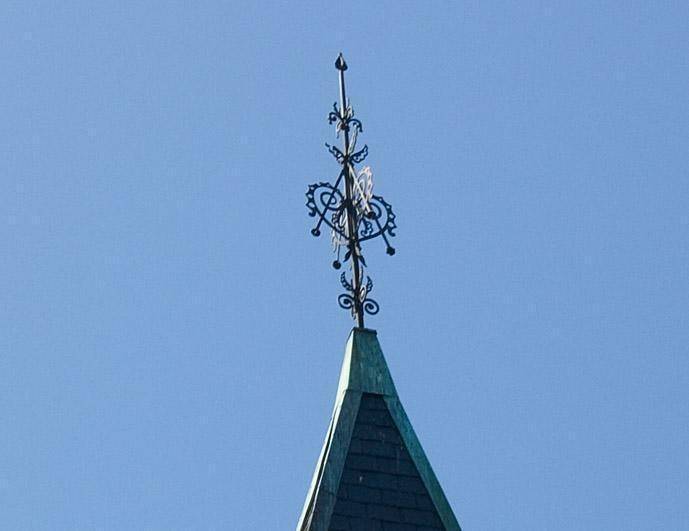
(380, 488)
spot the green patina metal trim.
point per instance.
(323, 491)
(417, 454)
(364, 370)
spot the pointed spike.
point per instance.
(340, 63)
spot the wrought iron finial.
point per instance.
(350, 209)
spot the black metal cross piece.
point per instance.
(351, 210)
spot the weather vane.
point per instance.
(351, 210)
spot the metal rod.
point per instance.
(352, 228)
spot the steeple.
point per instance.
(372, 474)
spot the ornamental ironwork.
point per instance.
(350, 209)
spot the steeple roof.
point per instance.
(372, 473)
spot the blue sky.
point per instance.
(170, 340)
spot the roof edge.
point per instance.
(320, 501)
(423, 465)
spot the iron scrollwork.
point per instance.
(350, 209)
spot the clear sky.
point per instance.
(170, 340)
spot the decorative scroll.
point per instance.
(350, 209)
(347, 301)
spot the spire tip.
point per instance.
(340, 64)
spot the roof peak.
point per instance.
(364, 368)
(365, 376)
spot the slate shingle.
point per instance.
(380, 488)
